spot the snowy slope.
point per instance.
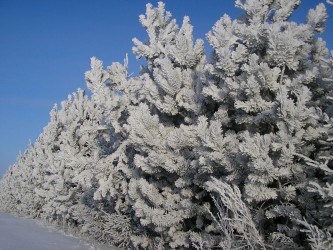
(18, 233)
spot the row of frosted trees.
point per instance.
(234, 153)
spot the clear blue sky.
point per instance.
(45, 48)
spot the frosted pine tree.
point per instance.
(53, 179)
(169, 88)
(73, 160)
(268, 78)
(22, 181)
(165, 193)
(17, 190)
(113, 93)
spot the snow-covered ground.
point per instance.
(26, 234)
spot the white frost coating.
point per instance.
(233, 153)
